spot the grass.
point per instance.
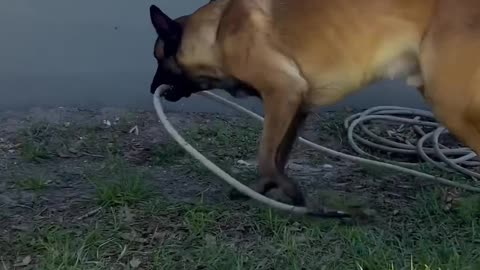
(229, 141)
(333, 127)
(223, 143)
(168, 154)
(33, 140)
(34, 151)
(185, 236)
(70, 249)
(118, 184)
(469, 207)
(199, 220)
(43, 141)
(138, 229)
(33, 183)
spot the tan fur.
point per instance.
(304, 53)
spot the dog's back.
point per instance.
(337, 46)
(340, 46)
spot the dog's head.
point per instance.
(182, 79)
(169, 37)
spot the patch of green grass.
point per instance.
(440, 238)
(41, 141)
(211, 254)
(61, 249)
(331, 126)
(168, 154)
(223, 143)
(228, 141)
(376, 171)
(98, 141)
(119, 184)
(33, 183)
(423, 235)
(271, 223)
(53, 247)
(200, 219)
(34, 141)
(200, 236)
(433, 170)
(372, 249)
(34, 151)
(127, 190)
(469, 208)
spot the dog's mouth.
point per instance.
(170, 92)
(164, 87)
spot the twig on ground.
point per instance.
(91, 155)
(134, 130)
(90, 213)
(4, 265)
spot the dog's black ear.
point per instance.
(166, 28)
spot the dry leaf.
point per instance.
(160, 236)
(135, 263)
(25, 261)
(243, 162)
(64, 155)
(133, 237)
(22, 227)
(73, 149)
(122, 254)
(134, 130)
(107, 123)
(127, 214)
(210, 240)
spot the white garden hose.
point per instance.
(359, 119)
(229, 179)
(411, 146)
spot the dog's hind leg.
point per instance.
(450, 64)
(450, 60)
(462, 119)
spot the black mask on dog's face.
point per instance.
(166, 46)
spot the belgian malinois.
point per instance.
(299, 54)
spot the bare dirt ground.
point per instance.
(79, 189)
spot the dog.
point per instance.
(296, 55)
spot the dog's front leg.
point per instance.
(289, 139)
(281, 121)
(282, 116)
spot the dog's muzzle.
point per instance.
(163, 88)
(171, 93)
